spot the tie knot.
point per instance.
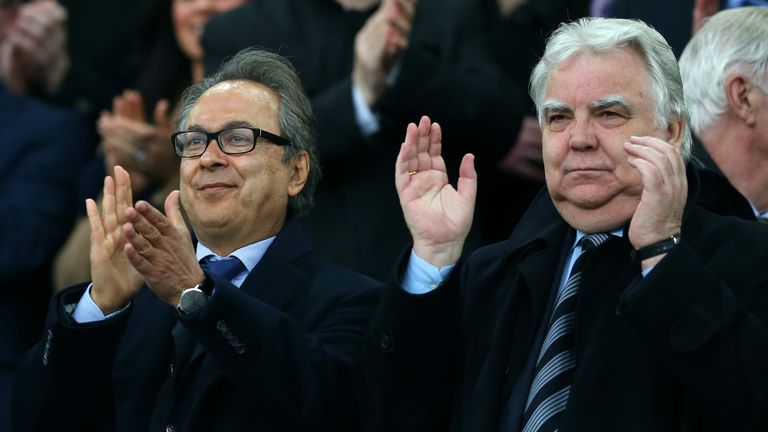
(590, 242)
(226, 268)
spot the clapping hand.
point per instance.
(438, 216)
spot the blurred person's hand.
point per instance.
(508, 7)
(525, 159)
(33, 54)
(143, 149)
(703, 9)
(379, 44)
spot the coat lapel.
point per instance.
(275, 281)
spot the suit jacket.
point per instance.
(682, 349)
(274, 355)
(42, 154)
(446, 73)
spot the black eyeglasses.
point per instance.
(231, 141)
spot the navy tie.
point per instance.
(226, 268)
(551, 385)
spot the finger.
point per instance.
(156, 222)
(138, 261)
(402, 171)
(653, 181)
(435, 148)
(173, 212)
(140, 244)
(411, 147)
(94, 220)
(161, 117)
(656, 157)
(670, 152)
(123, 195)
(401, 25)
(422, 151)
(407, 8)
(467, 184)
(108, 204)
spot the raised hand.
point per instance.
(659, 214)
(115, 281)
(161, 250)
(378, 45)
(438, 216)
(142, 148)
(34, 55)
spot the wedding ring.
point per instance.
(410, 173)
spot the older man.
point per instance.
(248, 332)
(616, 305)
(725, 71)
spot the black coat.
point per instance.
(683, 349)
(298, 322)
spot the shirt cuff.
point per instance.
(366, 119)
(87, 311)
(422, 277)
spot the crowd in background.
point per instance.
(88, 85)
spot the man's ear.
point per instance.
(299, 173)
(675, 130)
(740, 94)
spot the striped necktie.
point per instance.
(551, 385)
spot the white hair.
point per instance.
(600, 35)
(732, 41)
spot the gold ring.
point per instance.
(410, 173)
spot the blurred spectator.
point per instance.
(141, 146)
(41, 159)
(370, 68)
(725, 73)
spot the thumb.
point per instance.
(161, 117)
(467, 184)
(173, 211)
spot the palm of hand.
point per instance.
(434, 210)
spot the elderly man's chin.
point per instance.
(593, 209)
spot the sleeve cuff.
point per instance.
(422, 277)
(366, 119)
(87, 311)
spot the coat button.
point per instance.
(240, 348)
(170, 428)
(221, 326)
(170, 369)
(385, 342)
(507, 370)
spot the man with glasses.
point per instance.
(245, 331)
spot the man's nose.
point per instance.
(582, 135)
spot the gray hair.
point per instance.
(732, 41)
(600, 35)
(295, 114)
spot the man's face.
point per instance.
(592, 104)
(235, 200)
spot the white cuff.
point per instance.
(422, 277)
(87, 311)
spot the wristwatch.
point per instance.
(192, 300)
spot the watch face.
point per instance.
(192, 300)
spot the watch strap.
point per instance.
(655, 249)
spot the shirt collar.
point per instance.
(250, 255)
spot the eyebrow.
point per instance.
(610, 102)
(556, 106)
(231, 124)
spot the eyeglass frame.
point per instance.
(257, 133)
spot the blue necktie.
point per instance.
(226, 268)
(551, 385)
